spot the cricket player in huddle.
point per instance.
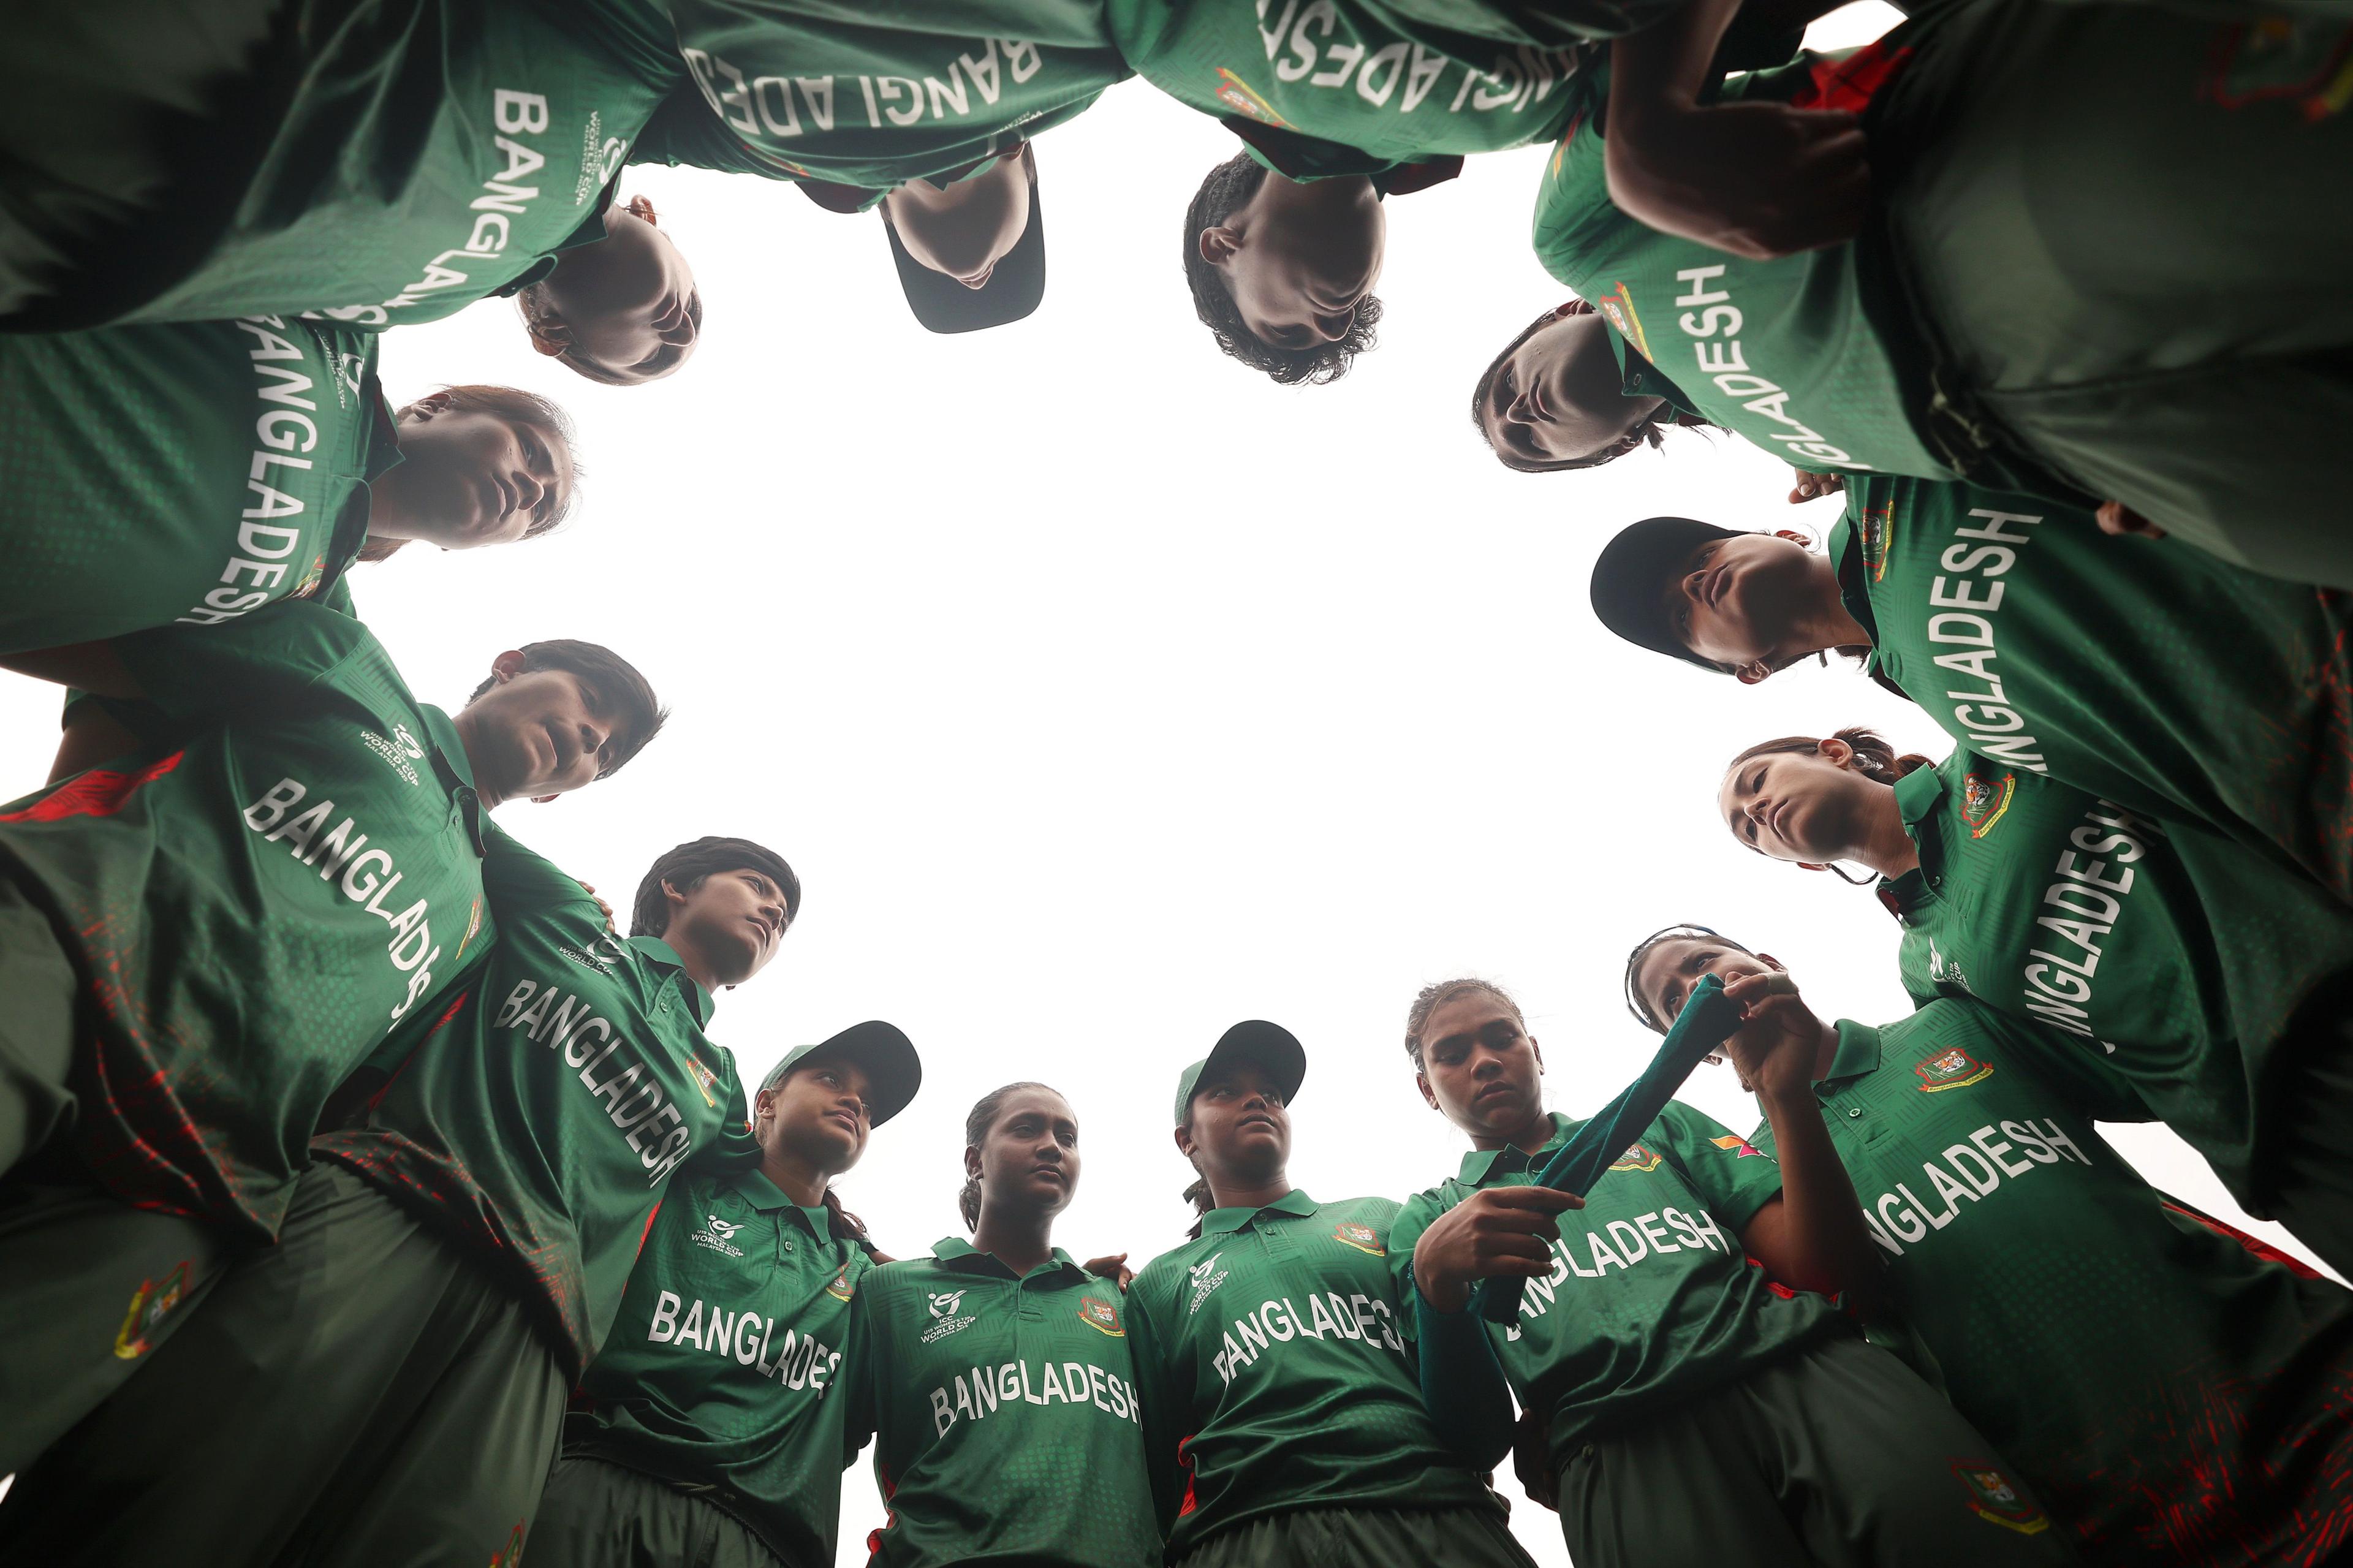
(239, 463)
(201, 939)
(1697, 1407)
(2209, 977)
(2179, 1396)
(711, 1429)
(994, 1376)
(1274, 1435)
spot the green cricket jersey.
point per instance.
(2161, 678)
(726, 1366)
(187, 473)
(1005, 1413)
(1800, 355)
(288, 867)
(2173, 1398)
(1650, 1298)
(433, 152)
(2177, 957)
(540, 1113)
(1272, 1361)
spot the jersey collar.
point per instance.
(654, 950)
(1858, 1053)
(1225, 1222)
(450, 758)
(959, 1254)
(1484, 1165)
(758, 1191)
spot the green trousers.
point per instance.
(598, 1514)
(1834, 1457)
(89, 1288)
(1363, 1538)
(359, 1394)
(2123, 231)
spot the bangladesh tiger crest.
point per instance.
(1875, 527)
(1995, 1500)
(313, 576)
(704, 1078)
(1951, 1068)
(150, 1305)
(1983, 800)
(1363, 1237)
(1617, 310)
(1739, 1148)
(473, 925)
(1637, 1158)
(512, 1556)
(1237, 95)
(2274, 58)
(841, 1290)
(1101, 1316)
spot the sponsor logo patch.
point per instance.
(150, 1305)
(1993, 1499)
(1206, 1277)
(1237, 95)
(948, 1315)
(1984, 800)
(1951, 1068)
(1618, 309)
(1637, 1158)
(1363, 1237)
(704, 1079)
(1101, 1316)
(1739, 1148)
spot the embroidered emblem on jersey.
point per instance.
(1101, 1316)
(841, 1290)
(1560, 151)
(473, 925)
(1618, 308)
(513, 1555)
(1875, 527)
(310, 579)
(704, 1079)
(1637, 1158)
(399, 753)
(1995, 1500)
(1952, 1068)
(150, 1304)
(947, 1309)
(1739, 1148)
(718, 1235)
(1234, 95)
(1206, 1277)
(1983, 800)
(2277, 59)
(1363, 1237)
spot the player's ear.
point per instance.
(549, 335)
(1802, 541)
(542, 800)
(972, 1162)
(1421, 1082)
(1754, 671)
(1536, 1051)
(672, 897)
(1219, 246)
(1772, 963)
(507, 666)
(1184, 1144)
(425, 407)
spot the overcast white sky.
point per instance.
(1104, 693)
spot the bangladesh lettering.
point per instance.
(989, 1388)
(1359, 1317)
(1963, 606)
(1621, 1244)
(768, 105)
(803, 1360)
(1708, 312)
(2079, 912)
(1301, 38)
(1967, 1173)
(634, 1102)
(268, 545)
(366, 877)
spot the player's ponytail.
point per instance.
(1203, 1201)
(1874, 757)
(845, 1226)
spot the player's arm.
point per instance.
(1504, 1231)
(95, 666)
(90, 735)
(1165, 1416)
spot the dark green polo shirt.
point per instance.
(288, 867)
(727, 1365)
(2156, 1381)
(2174, 956)
(1273, 1358)
(1005, 1413)
(539, 1115)
(187, 473)
(1650, 1298)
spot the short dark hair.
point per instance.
(1636, 1002)
(687, 867)
(1432, 997)
(1647, 434)
(1226, 189)
(611, 674)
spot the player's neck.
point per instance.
(1019, 1240)
(794, 1175)
(1251, 1195)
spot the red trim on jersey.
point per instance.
(1848, 84)
(1186, 1460)
(890, 1490)
(2261, 1248)
(98, 792)
(648, 1230)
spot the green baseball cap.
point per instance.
(882, 1051)
(1630, 576)
(1269, 1045)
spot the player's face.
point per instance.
(1560, 397)
(1480, 1067)
(965, 230)
(1308, 256)
(1738, 601)
(819, 1112)
(540, 733)
(730, 923)
(1811, 807)
(1239, 1124)
(621, 304)
(1029, 1160)
(469, 477)
(1669, 971)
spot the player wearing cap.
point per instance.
(994, 1377)
(1695, 1410)
(194, 473)
(1275, 1436)
(200, 940)
(711, 1429)
(2176, 1396)
(454, 1257)
(2212, 979)
(2155, 676)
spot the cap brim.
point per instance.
(1631, 573)
(1269, 1047)
(1013, 290)
(882, 1051)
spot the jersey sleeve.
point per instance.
(686, 131)
(2070, 1067)
(865, 1377)
(190, 674)
(1405, 1230)
(734, 1148)
(1166, 1415)
(1732, 1173)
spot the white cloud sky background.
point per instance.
(1104, 693)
